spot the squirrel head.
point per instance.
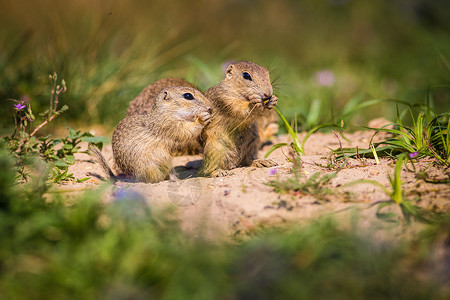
(184, 103)
(249, 80)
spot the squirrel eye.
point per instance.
(246, 76)
(188, 96)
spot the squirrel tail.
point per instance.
(96, 154)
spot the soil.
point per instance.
(243, 200)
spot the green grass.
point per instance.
(316, 185)
(108, 56)
(25, 145)
(426, 137)
(422, 139)
(127, 249)
(397, 196)
(297, 147)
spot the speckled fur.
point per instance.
(143, 104)
(267, 127)
(142, 144)
(232, 138)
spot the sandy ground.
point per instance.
(242, 200)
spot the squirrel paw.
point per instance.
(255, 99)
(264, 163)
(271, 103)
(173, 177)
(221, 173)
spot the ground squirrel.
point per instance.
(143, 103)
(142, 144)
(239, 100)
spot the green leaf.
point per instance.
(397, 194)
(63, 176)
(386, 216)
(83, 179)
(60, 176)
(273, 148)
(61, 164)
(43, 138)
(292, 133)
(45, 113)
(94, 139)
(63, 108)
(73, 134)
(314, 113)
(70, 159)
(350, 107)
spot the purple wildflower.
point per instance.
(325, 78)
(19, 106)
(413, 154)
(273, 171)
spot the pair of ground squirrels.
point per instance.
(142, 144)
(242, 105)
(242, 111)
(267, 124)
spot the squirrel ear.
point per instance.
(229, 71)
(166, 96)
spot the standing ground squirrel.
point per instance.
(239, 100)
(142, 144)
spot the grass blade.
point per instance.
(274, 147)
(292, 133)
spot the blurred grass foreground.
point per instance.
(329, 54)
(52, 248)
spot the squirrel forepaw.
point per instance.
(172, 177)
(204, 118)
(221, 173)
(271, 103)
(255, 99)
(264, 163)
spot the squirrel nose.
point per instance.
(209, 110)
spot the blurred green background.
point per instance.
(327, 55)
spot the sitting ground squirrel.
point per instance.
(231, 138)
(143, 103)
(142, 144)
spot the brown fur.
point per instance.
(267, 127)
(142, 144)
(232, 138)
(143, 103)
